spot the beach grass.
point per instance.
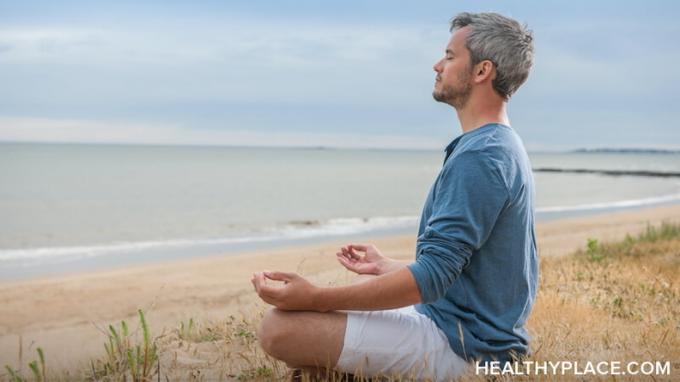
(609, 301)
(124, 359)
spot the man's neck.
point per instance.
(478, 114)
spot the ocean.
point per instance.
(67, 207)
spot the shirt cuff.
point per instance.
(423, 278)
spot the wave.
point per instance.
(347, 226)
(609, 205)
(289, 231)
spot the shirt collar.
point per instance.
(449, 149)
(451, 146)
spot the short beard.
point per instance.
(457, 98)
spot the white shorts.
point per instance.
(398, 342)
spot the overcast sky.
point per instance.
(311, 73)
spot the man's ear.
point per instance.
(484, 70)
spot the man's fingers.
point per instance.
(345, 253)
(358, 247)
(343, 260)
(270, 294)
(351, 250)
(258, 281)
(280, 276)
(348, 264)
(347, 259)
(267, 293)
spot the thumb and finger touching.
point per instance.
(269, 292)
(349, 253)
(280, 276)
(352, 248)
(360, 247)
(258, 281)
(352, 266)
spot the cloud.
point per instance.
(233, 61)
(593, 78)
(232, 41)
(22, 129)
(34, 44)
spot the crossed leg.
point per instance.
(303, 339)
(309, 340)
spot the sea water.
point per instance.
(67, 207)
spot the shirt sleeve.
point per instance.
(468, 199)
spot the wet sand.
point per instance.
(65, 315)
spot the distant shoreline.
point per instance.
(224, 146)
(661, 174)
(603, 150)
(625, 151)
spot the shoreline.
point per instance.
(53, 311)
(130, 255)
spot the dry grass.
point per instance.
(612, 302)
(607, 302)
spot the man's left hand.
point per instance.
(295, 294)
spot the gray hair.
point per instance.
(502, 41)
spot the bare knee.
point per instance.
(272, 332)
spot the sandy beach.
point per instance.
(74, 309)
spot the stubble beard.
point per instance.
(455, 96)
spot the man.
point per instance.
(473, 283)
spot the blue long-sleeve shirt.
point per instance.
(476, 260)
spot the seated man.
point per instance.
(467, 295)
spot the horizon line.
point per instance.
(586, 150)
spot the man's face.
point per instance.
(453, 84)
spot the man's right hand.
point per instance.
(372, 262)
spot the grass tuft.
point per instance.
(37, 368)
(610, 301)
(125, 359)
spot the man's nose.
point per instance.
(437, 66)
